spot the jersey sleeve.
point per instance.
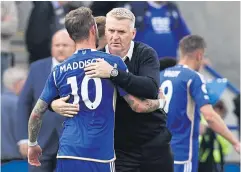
(120, 65)
(121, 91)
(50, 91)
(198, 91)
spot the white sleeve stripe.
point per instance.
(201, 77)
(54, 78)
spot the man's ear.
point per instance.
(200, 55)
(93, 30)
(133, 33)
(197, 54)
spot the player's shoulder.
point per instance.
(187, 71)
(183, 72)
(192, 74)
(200, 76)
(108, 57)
(189, 74)
(182, 68)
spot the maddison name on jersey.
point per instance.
(76, 65)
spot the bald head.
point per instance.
(61, 33)
(62, 45)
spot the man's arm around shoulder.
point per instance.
(145, 105)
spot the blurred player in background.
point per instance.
(100, 22)
(13, 80)
(186, 96)
(87, 142)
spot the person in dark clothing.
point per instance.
(101, 8)
(141, 141)
(237, 109)
(167, 62)
(45, 19)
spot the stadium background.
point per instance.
(217, 22)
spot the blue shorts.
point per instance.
(72, 165)
(186, 167)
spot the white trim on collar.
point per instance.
(55, 62)
(83, 49)
(129, 53)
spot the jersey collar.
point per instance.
(183, 65)
(83, 49)
(55, 62)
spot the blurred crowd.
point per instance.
(158, 24)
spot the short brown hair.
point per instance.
(190, 43)
(78, 23)
(100, 21)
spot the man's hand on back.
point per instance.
(65, 109)
(100, 69)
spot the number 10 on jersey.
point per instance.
(84, 91)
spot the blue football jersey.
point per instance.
(90, 134)
(185, 92)
(161, 31)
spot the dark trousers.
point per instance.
(150, 157)
(210, 167)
